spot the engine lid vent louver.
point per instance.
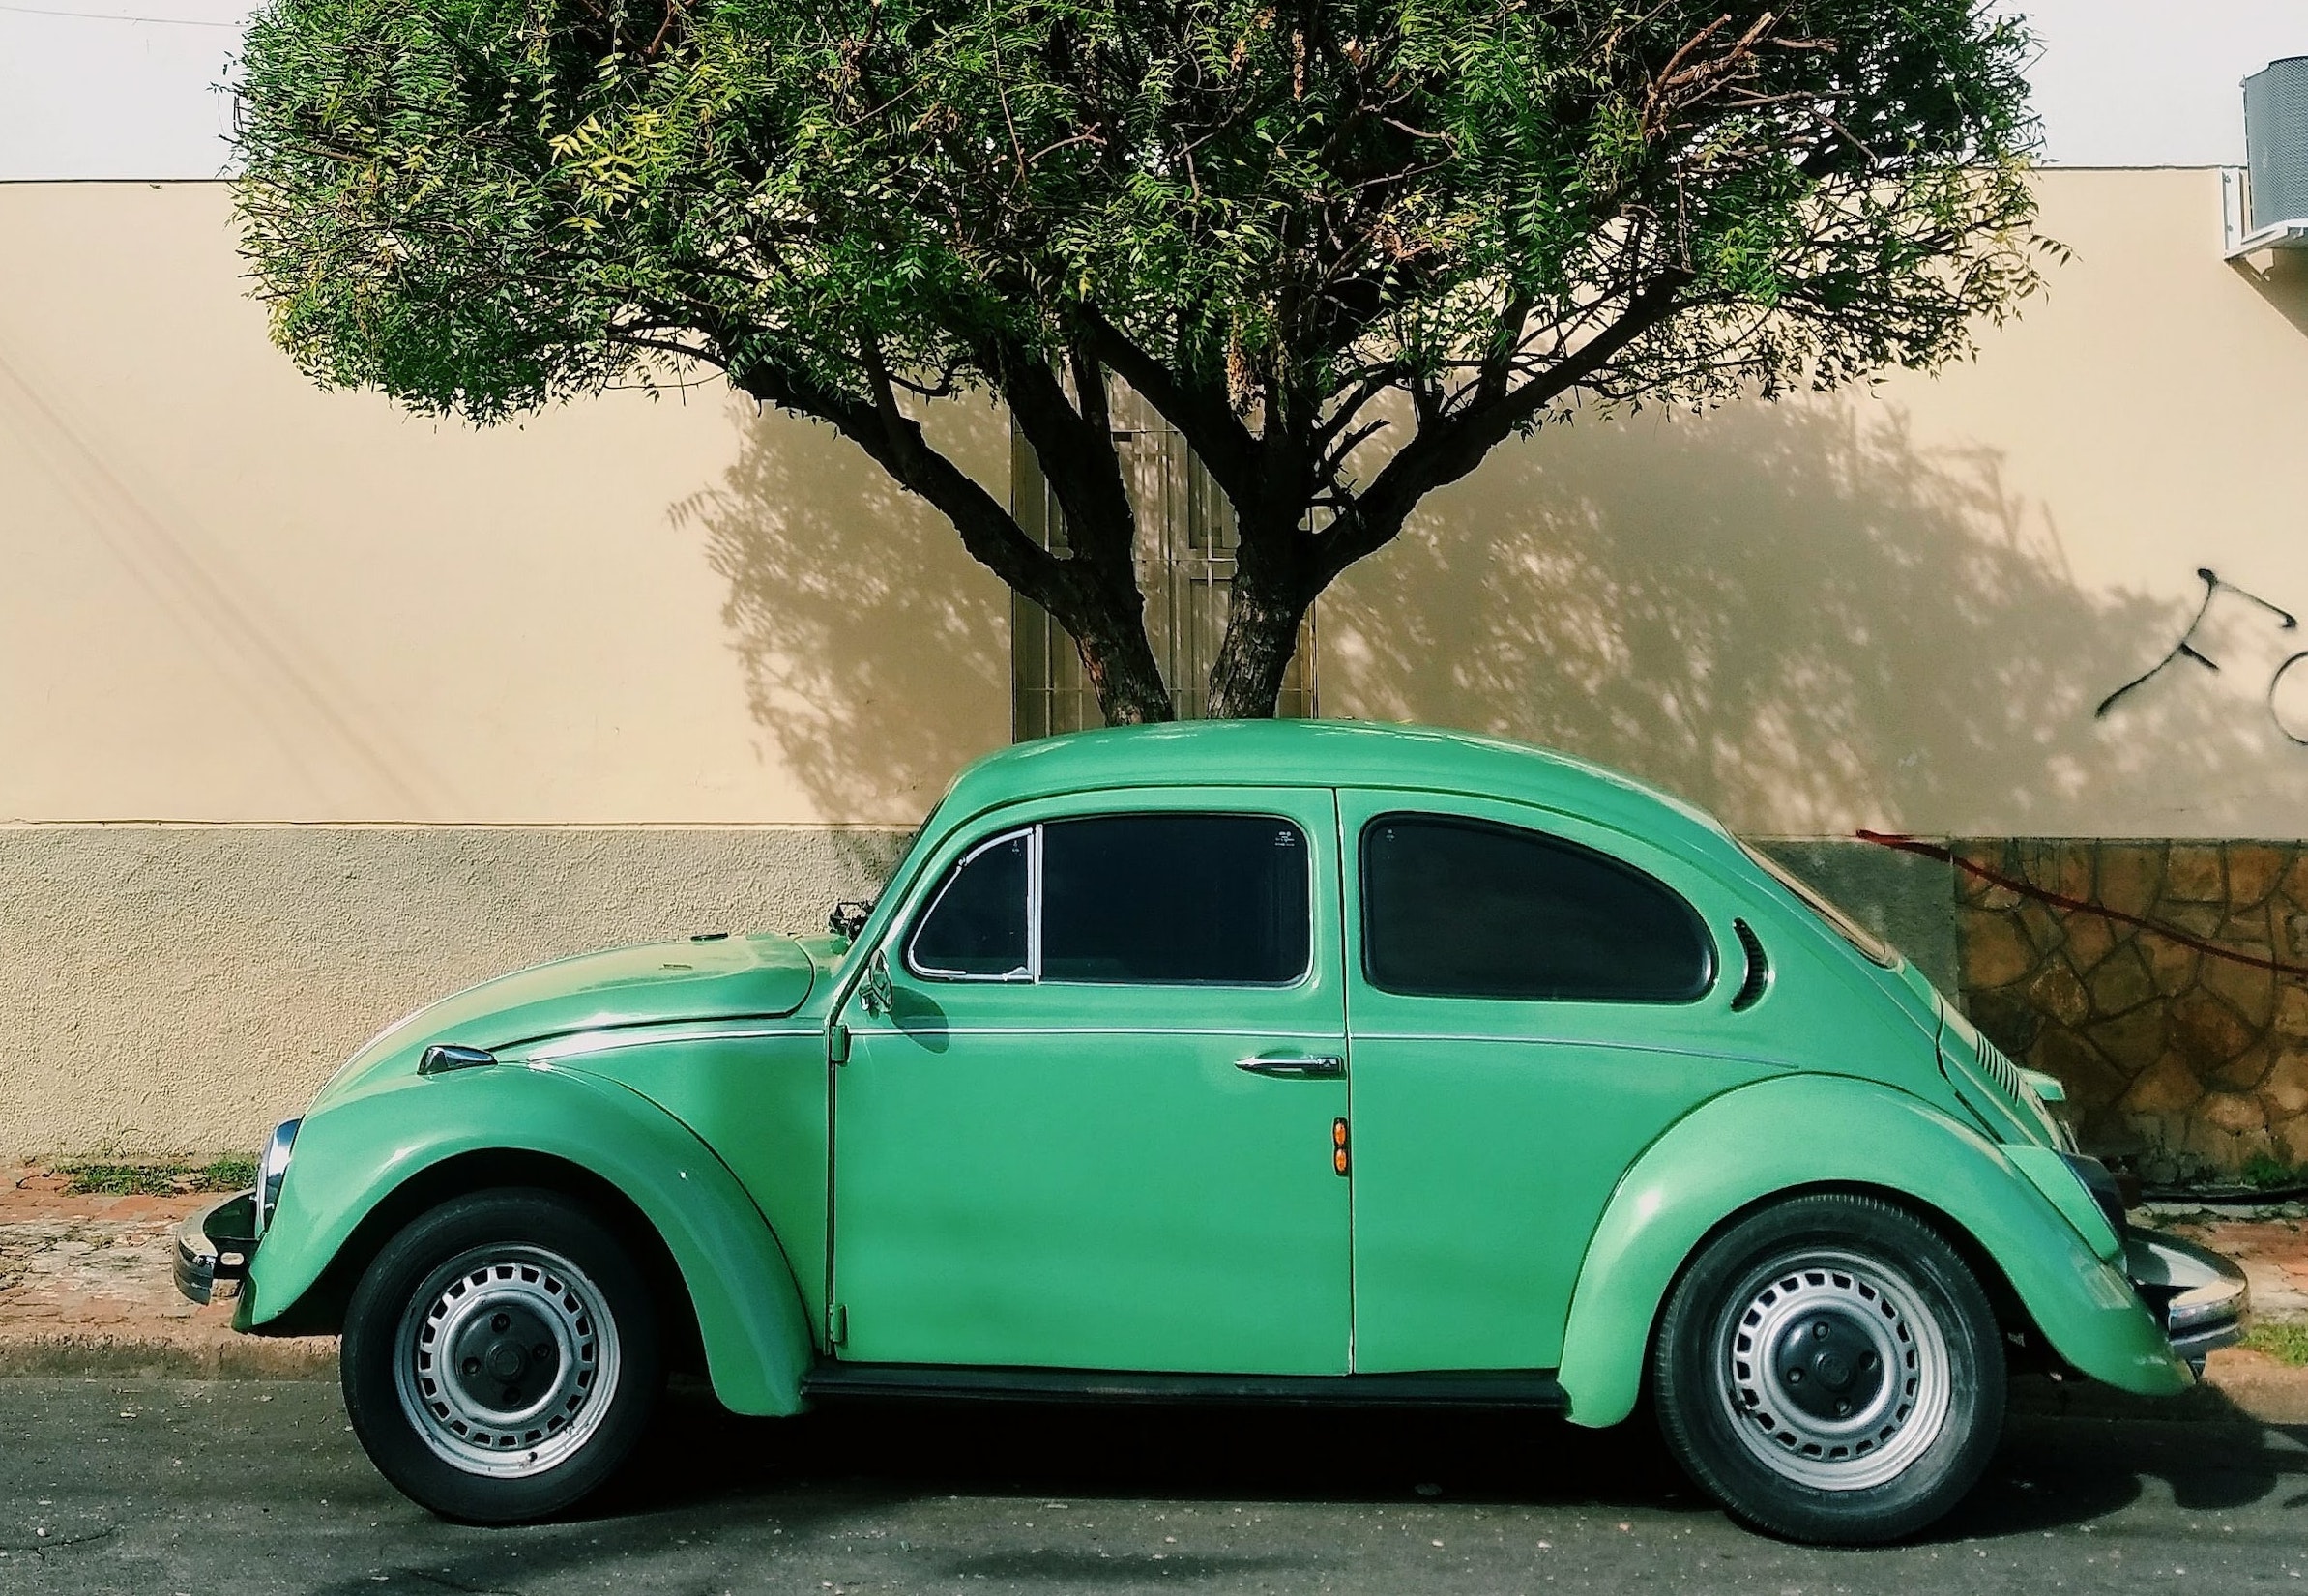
(1758, 968)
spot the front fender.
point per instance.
(1793, 1132)
(357, 1151)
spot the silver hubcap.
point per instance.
(1834, 1372)
(506, 1360)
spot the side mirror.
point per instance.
(849, 917)
(874, 991)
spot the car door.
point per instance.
(1531, 1001)
(1092, 1125)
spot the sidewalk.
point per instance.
(87, 1288)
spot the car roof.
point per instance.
(1327, 753)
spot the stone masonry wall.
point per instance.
(2187, 1064)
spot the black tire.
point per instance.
(556, 1360)
(1829, 1371)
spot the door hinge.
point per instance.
(837, 1324)
(838, 1043)
(1339, 1160)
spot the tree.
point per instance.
(1345, 247)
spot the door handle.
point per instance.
(1295, 1066)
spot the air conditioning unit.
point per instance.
(2267, 203)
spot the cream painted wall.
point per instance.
(227, 596)
(556, 659)
(230, 596)
(1899, 607)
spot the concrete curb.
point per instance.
(98, 1355)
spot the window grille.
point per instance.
(1186, 568)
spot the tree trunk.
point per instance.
(1120, 663)
(1261, 633)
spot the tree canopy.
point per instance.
(1345, 247)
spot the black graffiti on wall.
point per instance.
(2187, 648)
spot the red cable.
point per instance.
(2170, 933)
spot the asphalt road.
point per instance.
(164, 1487)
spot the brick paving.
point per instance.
(2272, 1247)
(88, 1285)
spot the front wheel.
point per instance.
(1829, 1370)
(501, 1356)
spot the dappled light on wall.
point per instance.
(1800, 616)
(875, 652)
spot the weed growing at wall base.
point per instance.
(223, 1174)
(2285, 1343)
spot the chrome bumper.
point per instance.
(215, 1245)
(2198, 1297)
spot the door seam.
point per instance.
(1346, 1044)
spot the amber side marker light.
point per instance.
(1338, 1145)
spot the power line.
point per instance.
(114, 17)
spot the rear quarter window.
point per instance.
(1462, 907)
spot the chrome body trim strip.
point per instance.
(588, 1042)
(1257, 1033)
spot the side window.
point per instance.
(975, 927)
(1175, 899)
(1456, 907)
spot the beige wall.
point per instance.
(227, 596)
(176, 989)
(232, 596)
(638, 667)
(630, 670)
(1898, 608)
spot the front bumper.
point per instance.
(2200, 1299)
(215, 1245)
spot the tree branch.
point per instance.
(895, 443)
(1217, 436)
(1076, 451)
(1446, 449)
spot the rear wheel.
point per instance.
(1829, 1370)
(501, 1356)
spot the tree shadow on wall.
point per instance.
(876, 651)
(1796, 615)
(1792, 613)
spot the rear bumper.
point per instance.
(2200, 1299)
(215, 1245)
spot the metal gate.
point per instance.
(1186, 568)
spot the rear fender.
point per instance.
(1791, 1133)
(359, 1151)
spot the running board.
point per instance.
(1525, 1388)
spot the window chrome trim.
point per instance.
(1024, 975)
(1306, 971)
(1033, 904)
(1875, 949)
(1710, 985)
(1033, 974)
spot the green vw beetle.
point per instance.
(1294, 1061)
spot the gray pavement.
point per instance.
(250, 1486)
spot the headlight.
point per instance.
(272, 1167)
